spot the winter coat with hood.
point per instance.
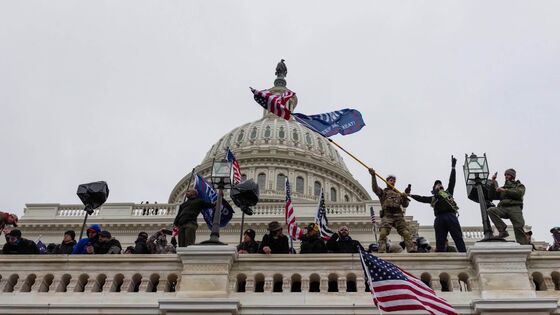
(80, 248)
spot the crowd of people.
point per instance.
(393, 203)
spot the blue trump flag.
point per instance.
(208, 194)
(345, 122)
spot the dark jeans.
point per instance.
(444, 223)
(187, 234)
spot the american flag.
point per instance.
(321, 219)
(293, 229)
(372, 215)
(274, 103)
(235, 165)
(394, 289)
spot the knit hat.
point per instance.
(71, 233)
(251, 233)
(274, 226)
(143, 234)
(105, 234)
(510, 171)
(15, 233)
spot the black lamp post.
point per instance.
(221, 179)
(476, 178)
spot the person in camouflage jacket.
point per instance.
(510, 206)
(392, 203)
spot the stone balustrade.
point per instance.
(131, 210)
(202, 279)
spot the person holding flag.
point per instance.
(392, 203)
(186, 217)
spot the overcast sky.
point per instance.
(136, 92)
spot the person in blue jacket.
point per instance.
(92, 237)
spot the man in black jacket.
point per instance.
(311, 242)
(186, 217)
(445, 210)
(275, 242)
(67, 245)
(16, 245)
(341, 242)
(140, 245)
(107, 244)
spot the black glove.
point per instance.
(453, 161)
(408, 189)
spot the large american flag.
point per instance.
(274, 103)
(321, 219)
(293, 229)
(235, 166)
(394, 289)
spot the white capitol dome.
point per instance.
(272, 148)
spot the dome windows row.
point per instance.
(297, 136)
(299, 186)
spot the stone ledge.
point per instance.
(515, 306)
(200, 306)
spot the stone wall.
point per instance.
(492, 278)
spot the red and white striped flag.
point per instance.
(293, 229)
(394, 289)
(274, 103)
(372, 215)
(235, 166)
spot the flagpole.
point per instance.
(359, 161)
(242, 223)
(189, 183)
(350, 154)
(373, 223)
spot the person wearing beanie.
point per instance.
(141, 245)
(311, 242)
(392, 215)
(107, 244)
(274, 242)
(510, 206)
(249, 245)
(67, 245)
(16, 245)
(445, 212)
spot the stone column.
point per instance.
(205, 281)
(342, 284)
(504, 283)
(268, 283)
(206, 270)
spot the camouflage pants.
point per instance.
(515, 214)
(394, 220)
